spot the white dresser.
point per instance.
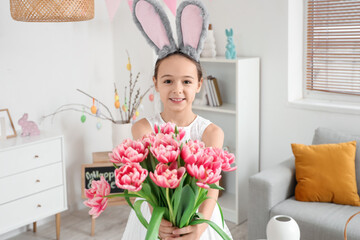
(32, 180)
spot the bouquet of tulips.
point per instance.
(171, 175)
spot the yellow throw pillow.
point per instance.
(326, 173)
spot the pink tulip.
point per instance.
(167, 176)
(148, 140)
(96, 194)
(165, 149)
(169, 128)
(226, 158)
(191, 151)
(129, 151)
(130, 176)
(206, 170)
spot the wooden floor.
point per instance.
(110, 225)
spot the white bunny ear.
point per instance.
(191, 24)
(152, 21)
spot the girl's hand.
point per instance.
(187, 233)
(166, 230)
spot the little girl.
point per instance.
(177, 78)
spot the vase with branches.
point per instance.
(128, 110)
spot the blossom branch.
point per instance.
(75, 109)
(112, 118)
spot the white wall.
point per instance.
(41, 65)
(260, 29)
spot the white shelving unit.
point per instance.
(239, 118)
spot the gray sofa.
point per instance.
(271, 192)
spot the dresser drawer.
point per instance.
(30, 157)
(30, 182)
(29, 209)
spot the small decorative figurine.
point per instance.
(29, 128)
(209, 49)
(230, 47)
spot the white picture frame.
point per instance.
(7, 124)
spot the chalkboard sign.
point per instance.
(94, 171)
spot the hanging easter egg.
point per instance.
(93, 109)
(117, 104)
(137, 113)
(116, 97)
(98, 125)
(151, 97)
(98, 112)
(134, 117)
(83, 118)
(124, 108)
(128, 66)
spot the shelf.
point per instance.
(219, 59)
(225, 108)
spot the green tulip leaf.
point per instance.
(214, 186)
(186, 206)
(137, 209)
(122, 195)
(214, 226)
(127, 198)
(177, 195)
(147, 194)
(115, 165)
(221, 213)
(153, 229)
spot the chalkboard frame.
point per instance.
(112, 201)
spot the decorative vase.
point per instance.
(282, 228)
(120, 132)
(209, 49)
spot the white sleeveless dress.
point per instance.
(134, 229)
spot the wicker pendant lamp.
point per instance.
(52, 10)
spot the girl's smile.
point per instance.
(177, 100)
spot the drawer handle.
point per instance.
(37, 180)
(39, 206)
(36, 156)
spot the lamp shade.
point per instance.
(52, 11)
(282, 228)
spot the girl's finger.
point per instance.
(183, 230)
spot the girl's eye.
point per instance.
(187, 82)
(167, 81)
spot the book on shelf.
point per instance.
(208, 95)
(217, 91)
(213, 91)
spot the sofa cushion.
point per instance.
(320, 220)
(325, 135)
(326, 173)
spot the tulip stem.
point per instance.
(170, 207)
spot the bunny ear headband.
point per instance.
(191, 24)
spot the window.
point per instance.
(333, 46)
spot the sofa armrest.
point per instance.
(266, 189)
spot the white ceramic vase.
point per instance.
(120, 132)
(282, 227)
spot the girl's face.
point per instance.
(177, 82)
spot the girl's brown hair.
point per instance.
(197, 64)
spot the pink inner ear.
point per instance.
(151, 23)
(191, 25)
